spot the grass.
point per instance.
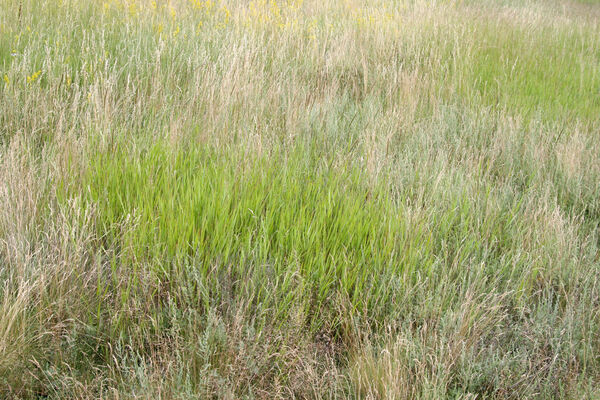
(299, 199)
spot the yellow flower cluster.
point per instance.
(126, 7)
(371, 17)
(32, 78)
(282, 14)
(202, 4)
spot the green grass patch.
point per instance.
(533, 71)
(199, 209)
(322, 232)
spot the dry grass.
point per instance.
(299, 199)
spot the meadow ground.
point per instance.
(299, 199)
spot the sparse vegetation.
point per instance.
(299, 199)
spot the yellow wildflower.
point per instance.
(6, 80)
(197, 4)
(227, 14)
(32, 78)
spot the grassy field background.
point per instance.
(299, 199)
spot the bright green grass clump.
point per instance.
(197, 209)
(533, 70)
(546, 76)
